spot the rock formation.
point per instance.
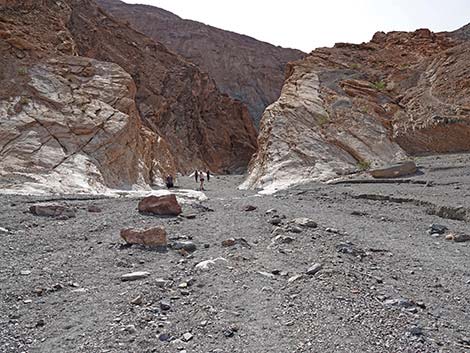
(88, 103)
(244, 68)
(350, 107)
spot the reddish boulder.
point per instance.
(161, 205)
(149, 237)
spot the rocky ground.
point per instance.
(381, 283)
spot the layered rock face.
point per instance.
(77, 130)
(350, 107)
(126, 117)
(244, 68)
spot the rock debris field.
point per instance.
(347, 267)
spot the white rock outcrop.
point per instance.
(77, 130)
(300, 141)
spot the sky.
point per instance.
(306, 25)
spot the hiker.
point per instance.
(196, 174)
(169, 181)
(208, 175)
(201, 178)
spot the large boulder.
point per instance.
(166, 205)
(395, 171)
(154, 237)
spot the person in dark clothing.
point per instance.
(196, 175)
(208, 175)
(169, 182)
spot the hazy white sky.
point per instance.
(305, 24)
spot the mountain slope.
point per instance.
(246, 69)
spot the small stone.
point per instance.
(458, 237)
(188, 246)
(294, 278)
(164, 337)
(165, 305)
(134, 276)
(401, 302)
(52, 210)
(305, 222)
(295, 229)
(416, 331)
(314, 269)
(228, 333)
(94, 209)
(183, 285)
(187, 337)
(137, 300)
(275, 221)
(130, 329)
(267, 274)
(283, 239)
(229, 242)
(190, 216)
(437, 229)
(271, 211)
(160, 282)
(249, 208)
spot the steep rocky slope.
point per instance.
(346, 108)
(71, 123)
(246, 69)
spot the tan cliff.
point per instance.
(351, 107)
(244, 68)
(88, 104)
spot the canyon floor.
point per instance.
(383, 284)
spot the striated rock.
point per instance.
(154, 237)
(90, 104)
(52, 210)
(244, 68)
(166, 205)
(356, 107)
(71, 134)
(395, 171)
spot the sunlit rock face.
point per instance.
(79, 131)
(88, 103)
(351, 107)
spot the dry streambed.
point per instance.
(315, 268)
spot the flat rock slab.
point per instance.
(134, 276)
(154, 237)
(395, 171)
(52, 210)
(166, 205)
